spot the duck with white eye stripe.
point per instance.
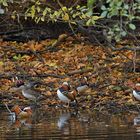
(25, 113)
(65, 95)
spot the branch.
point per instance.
(88, 32)
(27, 75)
(124, 48)
(79, 71)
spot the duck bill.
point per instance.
(14, 89)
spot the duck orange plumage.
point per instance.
(65, 95)
(26, 112)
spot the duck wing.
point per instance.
(70, 95)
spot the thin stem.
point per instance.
(8, 108)
(134, 60)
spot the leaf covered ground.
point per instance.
(110, 73)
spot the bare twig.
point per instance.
(8, 108)
(134, 60)
(124, 48)
(9, 76)
(27, 75)
(79, 71)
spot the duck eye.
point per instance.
(19, 83)
(68, 88)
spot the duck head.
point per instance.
(18, 84)
(137, 87)
(66, 86)
(28, 110)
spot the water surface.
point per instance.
(64, 124)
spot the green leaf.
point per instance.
(89, 13)
(83, 16)
(88, 23)
(123, 33)
(117, 29)
(126, 6)
(90, 4)
(45, 12)
(38, 9)
(132, 26)
(103, 8)
(64, 9)
(38, 20)
(104, 14)
(5, 3)
(95, 17)
(33, 11)
(108, 1)
(42, 18)
(117, 88)
(17, 57)
(119, 3)
(78, 7)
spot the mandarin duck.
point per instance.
(28, 90)
(19, 113)
(65, 95)
(136, 91)
(83, 85)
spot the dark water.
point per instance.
(66, 124)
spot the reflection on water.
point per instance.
(63, 120)
(66, 124)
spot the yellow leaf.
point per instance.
(51, 64)
(1, 66)
(64, 9)
(95, 17)
(66, 17)
(1, 63)
(13, 17)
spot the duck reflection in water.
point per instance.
(20, 117)
(137, 120)
(137, 124)
(64, 118)
(27, 123)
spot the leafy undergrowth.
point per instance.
(109, 73)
